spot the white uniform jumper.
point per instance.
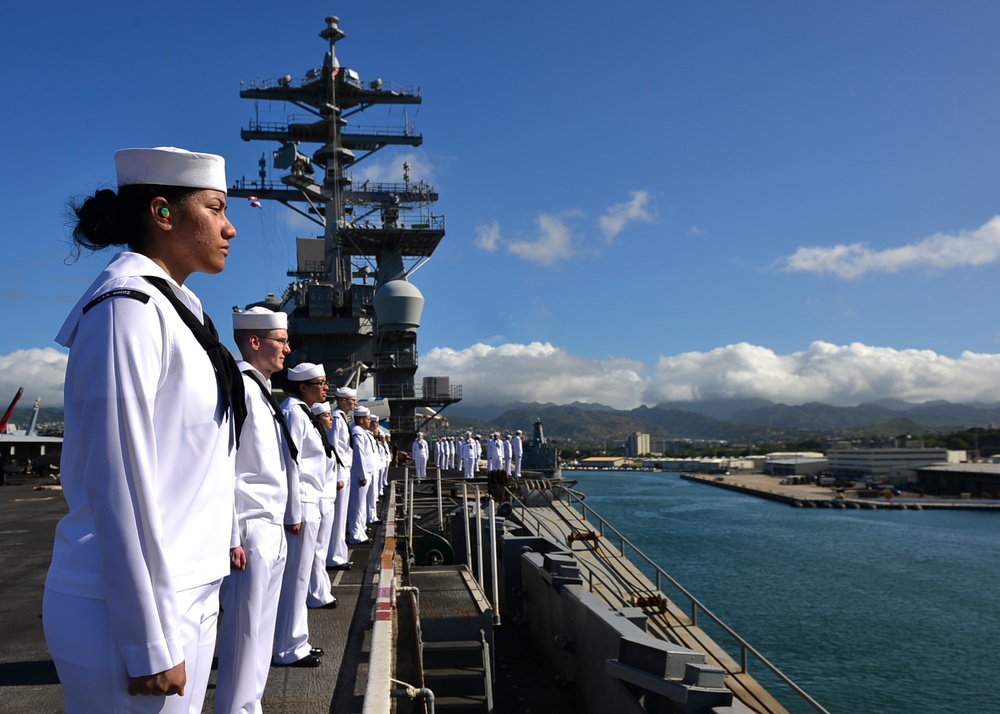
(364, 468)
(265, 478)
(147, 467)
(291, 636)
(320, 593)
(343, 443)
(467, 455)
(381, 469)
(493, 454)
(420, 458)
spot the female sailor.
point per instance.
(153, 407)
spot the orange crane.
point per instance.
(10, 409)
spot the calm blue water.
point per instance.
(868, 611)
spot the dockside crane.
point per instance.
(10, 409)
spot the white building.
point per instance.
(880, 464)
(637, 444)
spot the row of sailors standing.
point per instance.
(502, 454)
(317, 472)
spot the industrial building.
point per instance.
(970, 480)
(881, 464)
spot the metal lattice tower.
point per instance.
(351, 306)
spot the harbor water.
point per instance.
(869, 611)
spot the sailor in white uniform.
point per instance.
(320, 594)
(363, 471)
(492, 453)
(419, 454)
(467, 455)
(508, 450)
(342, 442)
(517, 450)
(446, 448)
(382, 455)
(291, 638)
(267, 503)
(153, 410)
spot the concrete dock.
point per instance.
(814, 496)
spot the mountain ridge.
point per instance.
(731, 420)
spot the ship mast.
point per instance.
(351, 306)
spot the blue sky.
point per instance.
(644, 201)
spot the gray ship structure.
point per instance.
(479, 595)
(538, 454)
(351, 306)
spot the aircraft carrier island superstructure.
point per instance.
(351, 306)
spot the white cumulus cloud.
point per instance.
(842, 375)
(620, 215)
(553, 244)
(555, 240)
(536, 372)
(488, 236)
(940, 251)
(839, 375)
(41, 371)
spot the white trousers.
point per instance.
(373, 492)
(92, 672)
(357, 514)
(291, 631)
(337, 553)
(249, 610)
(319, 580)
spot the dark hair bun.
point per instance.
(100, 221)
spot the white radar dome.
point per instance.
(398, 306)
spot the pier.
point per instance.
(814, 496)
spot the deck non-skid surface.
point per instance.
(28, 681)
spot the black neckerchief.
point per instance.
(279, 416)
(350, 432)
(231, 391)
(322, 433)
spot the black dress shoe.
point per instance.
(310, 660)
(342, 566)
(316, 651)
(329, 606)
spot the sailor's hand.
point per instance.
(294, 529)
(238, 558)
(340, 485)
(170, 682)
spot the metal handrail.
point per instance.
(696, 605)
